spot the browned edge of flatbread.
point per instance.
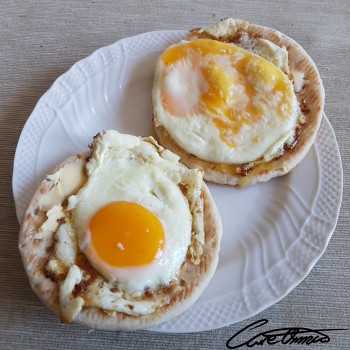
(311, 100)
(35, 253)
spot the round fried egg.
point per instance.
(132, 221)
(223, 103)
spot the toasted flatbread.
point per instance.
(35, 250)
(310, 94)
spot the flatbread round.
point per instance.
(311, 100)
(35, 250)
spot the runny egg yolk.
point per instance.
(238, 86)
(125, 234)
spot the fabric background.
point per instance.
(40, 40)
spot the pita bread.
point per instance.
(35, 251)
(310, 97)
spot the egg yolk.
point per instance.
(125, 234)
(239, 85)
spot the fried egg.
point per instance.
(129, 229)
(226, 103)
(139, 224)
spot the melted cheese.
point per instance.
(62, 183)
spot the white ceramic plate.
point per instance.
(273, 233)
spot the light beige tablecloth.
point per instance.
(40, 40)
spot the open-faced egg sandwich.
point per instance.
(240, 101)
(122, 237)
